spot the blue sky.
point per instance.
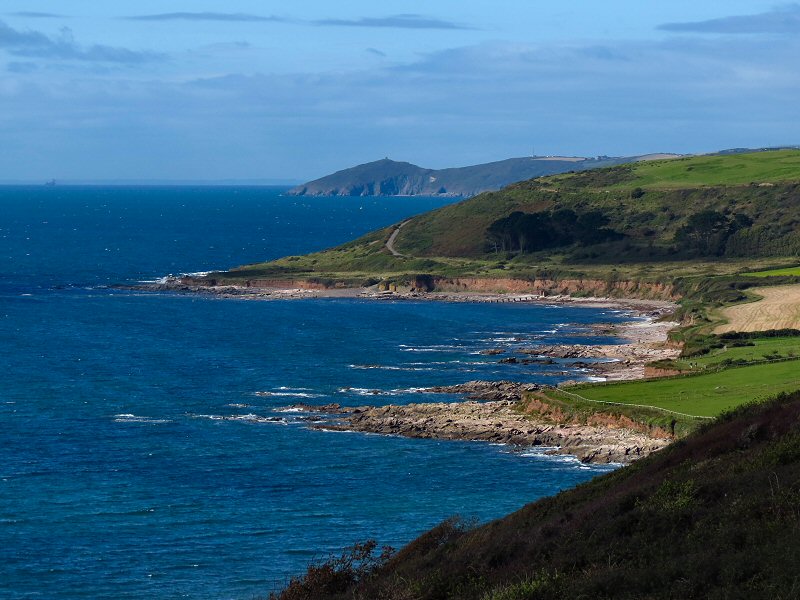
(252, 89)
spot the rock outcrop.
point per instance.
(498, 421)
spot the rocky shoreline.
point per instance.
(493, 413)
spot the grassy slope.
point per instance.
(707, 394)
(789, 271)
(713, 516)
(762, 348)
(731, 169)
(673, 190)
(450, 241)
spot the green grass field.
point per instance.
(788, 272)
(736, 169)
(705, 395)
(764, 349)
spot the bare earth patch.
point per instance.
(779, 308)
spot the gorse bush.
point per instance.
(337, 574)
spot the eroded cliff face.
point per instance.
(586, 287)
(430, 283)
(537, 406)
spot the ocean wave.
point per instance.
(131, 418)
(419, 350)
(363, 391)
(433, 348)
(249, 418)
(536, 452)
(390, 368)
(289, 395)
(376, 392)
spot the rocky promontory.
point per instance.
(496, 414)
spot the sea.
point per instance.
(148, 444)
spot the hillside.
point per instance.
(391, 178)
(646, 202)
(641, 532)
(644, 222)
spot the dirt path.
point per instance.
(392, 238)
(779, 308)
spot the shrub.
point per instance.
(336, 574)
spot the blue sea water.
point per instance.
(137, 458)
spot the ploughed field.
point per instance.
(778, 308)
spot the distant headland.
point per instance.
(392, 178)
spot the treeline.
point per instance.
(531, 232)
(712, 233)
(707, 232)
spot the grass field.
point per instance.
(763, 349)
(705, 395)
(788, 272)
(779, 308)
(736, 169)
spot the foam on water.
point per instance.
(131, 418)
(287, 394)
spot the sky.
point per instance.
(258, 89)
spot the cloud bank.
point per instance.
(34, 44)
(207, 16)
(463, 105)
(405, 21)
(37, 15)
(781, 20)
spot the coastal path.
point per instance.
(666, 410)
(390, 242)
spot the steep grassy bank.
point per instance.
(713, 516)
